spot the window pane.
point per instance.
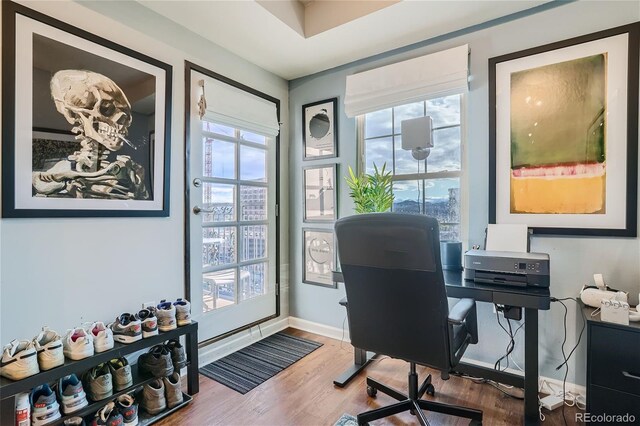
(377, 123)
(443, 203)
(378, 151)
(219, 159)
(218, 246)
(253, 203)
(408, 196)
(253, 137)
(444, 111)
(218, 289)
(253, 164)
(253, 281)
(221, 199)
(406, 112)
(208, 126)
(445, 154)
(254, 242)
(405, 163)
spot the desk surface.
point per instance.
(526, 297)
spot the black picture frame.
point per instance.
(325, 113)
(147, 195)
(628, 226)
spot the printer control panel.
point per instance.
(522, 266)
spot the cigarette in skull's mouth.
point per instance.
(126, 141)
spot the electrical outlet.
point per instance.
(147, 304)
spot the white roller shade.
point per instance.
(430, 76)
(236, 108)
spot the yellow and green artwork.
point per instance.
(558, 144)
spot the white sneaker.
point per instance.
(183, 312)
(102, 336)
(19, 360)
(49, 348)
(166, 314)
(78, 344)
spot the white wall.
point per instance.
(60, 272)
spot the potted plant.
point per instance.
(371, 193)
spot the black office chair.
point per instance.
(397, 305)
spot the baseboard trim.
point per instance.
(240, 340)
(321, 329)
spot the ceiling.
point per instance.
(278, 44)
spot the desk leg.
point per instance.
(531, 414)
(360, 361)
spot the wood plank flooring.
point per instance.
(304, 394)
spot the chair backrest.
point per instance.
(397, 301)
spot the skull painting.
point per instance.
(101, 115)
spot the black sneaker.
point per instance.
(108, 416)
(178, 356)
(157, 361)
(128, 407)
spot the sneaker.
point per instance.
(102, 336)
(121, 373)
(49, 348)
(98, 382)
(178, 356)
(108, 416)
(183, 312)
(77, 344)
(126, 329)
(128, 407)
(19, 360)
(149, 322)
(71, 394)
(75, 421)
(166, 314)
(173, 390)
(157, 361)
(153, 400)
(44, 407)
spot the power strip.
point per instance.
(551, 402)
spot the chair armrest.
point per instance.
(460, 310)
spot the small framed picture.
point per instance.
(319, 257)
(320, 137)
(320, 193)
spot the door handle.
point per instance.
(197, 182)
(198, 210)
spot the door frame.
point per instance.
(188, 67)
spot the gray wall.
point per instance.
(573, 260)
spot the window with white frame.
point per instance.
(430, 186)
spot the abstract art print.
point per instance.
(78, 141)
(320, 197)
(320, 137)
(563, 146)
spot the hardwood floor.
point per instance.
(304, 394)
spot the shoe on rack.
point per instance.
(166, 313)
(44, 407)
(147, 317)
(97, 382)
(102, 336)
(77, 344)
(128, 407)
(183, 312)
(48, 345)
(153, 400)
(121, 373)
(173, 390)
(157, 361)
(75, 421)
(126, 329)
(19, 360)
(178, 356)
(71, 394)
(108, 416)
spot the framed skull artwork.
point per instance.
(77, 114)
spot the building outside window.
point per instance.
(430, 186)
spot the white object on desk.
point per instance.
(507, 238)
(614, 311)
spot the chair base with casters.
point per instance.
(413, 402)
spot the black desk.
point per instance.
(531, 299)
